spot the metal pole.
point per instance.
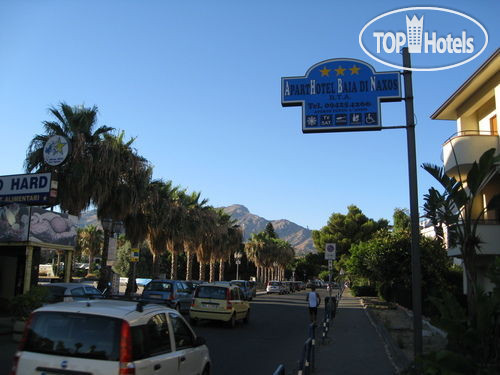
(415, 233)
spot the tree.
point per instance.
(119, 189)
(463, 211)
(76, 177)
(401, 218)
(270, 231)
(345, 230)
(159, 203)
(385, 262)
(90, 241)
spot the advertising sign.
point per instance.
(340, 95)
(52, 227)
(25, 188)
(56, 150)
(20, 223)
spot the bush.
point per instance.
(22, 305)
(363, 291)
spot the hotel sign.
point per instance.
(340, 95)
(26, 188)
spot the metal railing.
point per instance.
(306, 365)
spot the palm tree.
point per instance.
(90, 240)
(463, 211)
(233, 242)
(161, 198)
(193, 228)
(207, 240)
(119, 189)
(76, 176)
(255, 248)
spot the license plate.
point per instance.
(155, 296)
(209, 305)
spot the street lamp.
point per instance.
(237, 256)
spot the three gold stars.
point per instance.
(325, 72)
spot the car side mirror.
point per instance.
(199, 341)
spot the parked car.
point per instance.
(192, 284)
(103, 337)
(65, 292)
(245, 288)
(253, 287)
(172, 293)
(219, 301)
(275, 287)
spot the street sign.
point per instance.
(330, 251)
(330, 265)
(134, 255)
(341, 95)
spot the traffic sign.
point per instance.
(331, 251)
(134, 255)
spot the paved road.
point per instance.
(275, 334)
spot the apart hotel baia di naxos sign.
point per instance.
(341, 95)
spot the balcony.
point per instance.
(489, 234)
(466, 147)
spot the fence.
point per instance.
(306, 363)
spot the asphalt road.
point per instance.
(275, 335)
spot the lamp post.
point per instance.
(237, 257)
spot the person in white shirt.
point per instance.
(314, 300)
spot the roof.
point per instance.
(105, 307)
(486, 75)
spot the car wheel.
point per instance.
(247, 317)
(206, 371)
(232, 321)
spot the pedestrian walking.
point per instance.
(314, 301)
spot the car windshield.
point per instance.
(274, 283)
(75, 335)
(211, 292)
(241, 284)
(157, 286)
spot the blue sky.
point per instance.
(199, 84)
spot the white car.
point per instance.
(59, 292)
(105, 337)
(275, 287)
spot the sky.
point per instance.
(198, 84)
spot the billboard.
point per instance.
(340, 95)
(32, 188)
(20, 223)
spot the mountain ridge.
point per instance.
(299, 237)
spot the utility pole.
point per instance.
(415, 232)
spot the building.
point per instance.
(474, 106)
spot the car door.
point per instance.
(191, 358)
(237, 300)
(184, 296)
(153, 348)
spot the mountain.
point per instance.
(299, 237)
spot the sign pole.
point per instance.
(415, 233)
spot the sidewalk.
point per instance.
(7, 345)
(353, 347)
